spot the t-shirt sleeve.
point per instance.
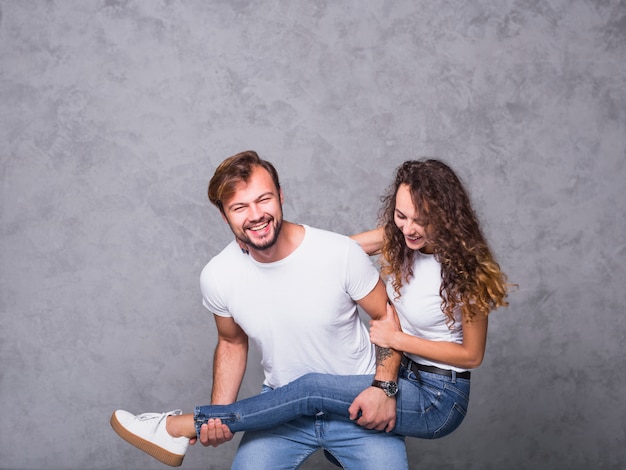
(361, 274)
(212, 291)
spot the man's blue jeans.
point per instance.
(286, 446)
(311, 413)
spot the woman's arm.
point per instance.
(467, 355)
(371, 241)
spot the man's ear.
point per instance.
(223, 216)
(282, 198)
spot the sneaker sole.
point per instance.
(159, 453)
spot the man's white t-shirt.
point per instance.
(299, 311)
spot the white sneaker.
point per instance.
(147, 432)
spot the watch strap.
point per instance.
(389, 387)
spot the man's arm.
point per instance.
(229, 366)
(387, 360)
(229, 361)
(376, 409)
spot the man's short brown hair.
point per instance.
(234, 170)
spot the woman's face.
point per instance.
(408, 219)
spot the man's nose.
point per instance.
(255, 212)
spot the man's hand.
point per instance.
(373, 409)
(213, 434)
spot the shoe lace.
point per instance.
(158, 416)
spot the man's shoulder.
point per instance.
(333, 243)
(325, 235)
(227, 257)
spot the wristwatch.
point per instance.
(390, 388)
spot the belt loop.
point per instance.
(416, 372)
(453, 376)
(408, 365)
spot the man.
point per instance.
(294, 294)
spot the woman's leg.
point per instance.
(306, 396)
(181, 426)
(428, 406)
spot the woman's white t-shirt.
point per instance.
(419, 307)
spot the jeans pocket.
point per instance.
(454, 419)
(433, 390)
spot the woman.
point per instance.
(442, 280)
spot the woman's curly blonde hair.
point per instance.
(470, 277)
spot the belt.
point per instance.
(416, 368)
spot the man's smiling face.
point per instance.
(254, 212)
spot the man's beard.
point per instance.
(268, 243)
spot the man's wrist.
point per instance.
(390, 387)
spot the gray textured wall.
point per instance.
(115, 113)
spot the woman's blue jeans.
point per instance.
(312, 412)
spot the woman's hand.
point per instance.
(384, 331)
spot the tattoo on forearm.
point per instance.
(382, 354)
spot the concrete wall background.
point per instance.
(115, 113)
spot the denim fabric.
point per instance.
(286, 446)
(429, 406)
